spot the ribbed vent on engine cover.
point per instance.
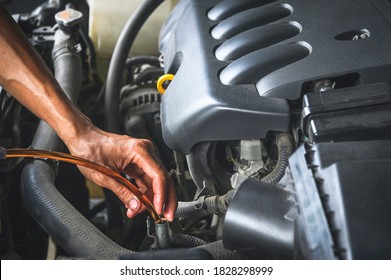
(320, 39)
(250, 42)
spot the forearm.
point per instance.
(24, 74)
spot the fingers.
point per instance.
(170, 200)
(137, 158)
(156, 195)
(131, 202)
(172, 203)
(134, 207)
(154, 176)
(162, 193)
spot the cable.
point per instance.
(32, 153)
(285, 149)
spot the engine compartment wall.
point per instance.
(104, 30)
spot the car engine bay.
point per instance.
(272, 117)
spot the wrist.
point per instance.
(76, 128)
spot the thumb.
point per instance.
(130, 200)
(134, 206)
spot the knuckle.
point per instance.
(144, 143)
(122, 192)
(164, 181)
(97, 177)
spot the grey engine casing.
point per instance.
(236, 63)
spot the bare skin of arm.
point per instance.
(24, 74)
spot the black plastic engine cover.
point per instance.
(231, 56)
(197, 106)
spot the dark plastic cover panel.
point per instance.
(197, 106)
(229, 57)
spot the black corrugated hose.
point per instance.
(285, 147)
(205, 206)
(180, 240)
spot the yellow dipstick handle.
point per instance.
(160, 87)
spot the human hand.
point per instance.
(136, 158)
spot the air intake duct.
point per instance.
(260, 221)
